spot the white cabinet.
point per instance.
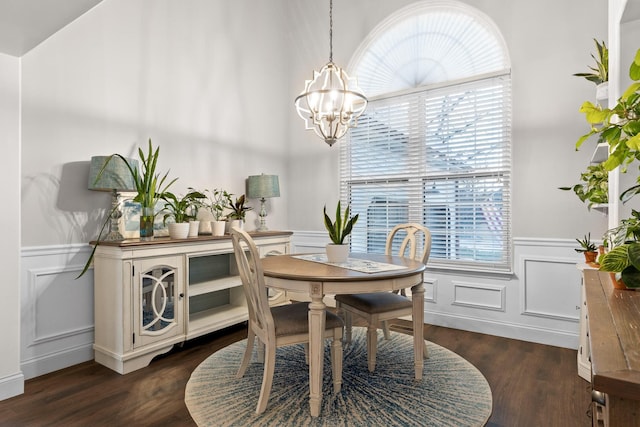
(150, 296)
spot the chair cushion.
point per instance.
(292, 319)
(376, 302)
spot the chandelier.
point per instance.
(331, 103)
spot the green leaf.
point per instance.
(631, 89)
(631, 277)
(634, 142)
(634, 69)
(594, 113)
(616, 260)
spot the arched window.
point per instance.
(434, 145)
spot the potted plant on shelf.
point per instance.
(594, 187)
(619, 127)
(181, 209)
(238, 212)
(588, 248)
(600, 73)
(217, 201)
(337, 250)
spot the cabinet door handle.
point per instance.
(181, 295)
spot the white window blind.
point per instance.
(440, 157)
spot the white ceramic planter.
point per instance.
(194, 226)
(179, 230)
(337, 253)
(217, 227)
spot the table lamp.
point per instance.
(115, 177)
(263, 187)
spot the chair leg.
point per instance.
(251, 337)
(425, 354)
(348, 326)
(372, 346)
(336, 362)
(267, 376)
(385, 330)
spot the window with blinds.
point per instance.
(439, 157)
(434, 145)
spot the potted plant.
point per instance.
(588, 248)
(217, 201)
(623, 260)
(181, 209)
(238, 211)
(600, 73)
(337, 251)
(594, 187)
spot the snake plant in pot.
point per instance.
(337, 250)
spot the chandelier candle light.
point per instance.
(115, 177)
(331, 103)
(263, 187)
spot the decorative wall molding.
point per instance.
(477, 295)
(11, 385)
(537, 303)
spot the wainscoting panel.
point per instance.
(548, 286)
(57, 309)
(478, 295)
(537, 303)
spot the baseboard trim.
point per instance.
(59, 360)
(521, 332)
(11, 385)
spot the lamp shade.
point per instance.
(115, 176)
(263, 186)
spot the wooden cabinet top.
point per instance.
(165, 240)
(614, 335)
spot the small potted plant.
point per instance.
(181, 209)
(218, 200)
(238, 212)
(588, 248)
(337, 250)
(600, 73)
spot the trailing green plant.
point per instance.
(182, 209)
(594, 187)
(586, 245)
(217, 201)
(600, 73)
(238, 209)
(342, 226)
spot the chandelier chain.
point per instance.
(330, 30)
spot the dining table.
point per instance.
(362, 273)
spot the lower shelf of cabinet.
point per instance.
(206, 321)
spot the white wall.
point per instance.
(11, 378)
(212, 82)
(548, 41)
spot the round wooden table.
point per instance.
(286, 272)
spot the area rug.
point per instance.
(452, 393)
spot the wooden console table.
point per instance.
(614, 336)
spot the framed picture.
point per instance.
(130, 220)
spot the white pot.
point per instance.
(194, 226)
(179, 230)
(217, 228)
(337, 253)
(236, 223)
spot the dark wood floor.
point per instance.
(532, 385)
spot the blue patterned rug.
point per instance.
(452, 393)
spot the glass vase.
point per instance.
(146, 223)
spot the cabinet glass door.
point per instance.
(160, 300)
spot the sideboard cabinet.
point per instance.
(151, 295)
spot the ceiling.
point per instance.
(24, 24)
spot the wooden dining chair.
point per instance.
(379, 307)
(276, 326)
